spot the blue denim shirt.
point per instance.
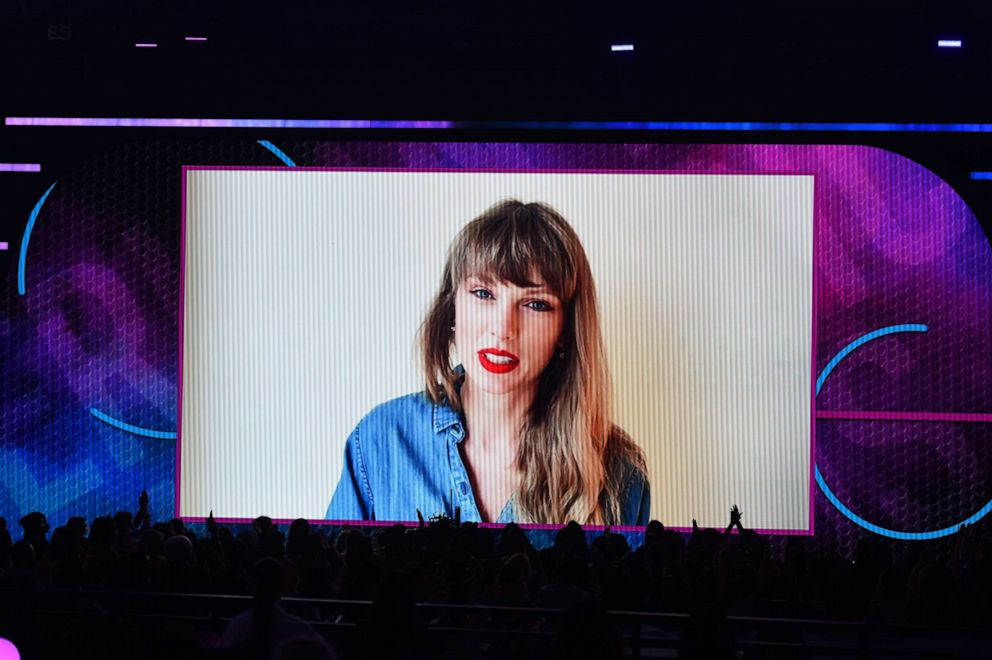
(404, 456)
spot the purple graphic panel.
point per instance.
(97, 326)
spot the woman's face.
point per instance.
(506, 335)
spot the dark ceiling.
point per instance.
(442, 59)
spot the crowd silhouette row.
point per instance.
(727, 572)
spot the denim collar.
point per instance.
(446, 418)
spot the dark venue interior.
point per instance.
(189, 330)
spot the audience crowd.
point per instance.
(709, 573)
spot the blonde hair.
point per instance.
(572, 459)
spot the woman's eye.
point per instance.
(483, 294)
(539, 306)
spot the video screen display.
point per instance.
(363, 330)
(309, 296)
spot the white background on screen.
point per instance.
(304, 291)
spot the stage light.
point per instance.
(949, 43)
(196, 38)
(617, 48)
(145, 45)
(980, 176)
(4, 246)
(20, 167)
(8, 651)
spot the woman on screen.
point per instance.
(520, 429)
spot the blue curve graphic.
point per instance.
(23, 257)
(822, 483)
(861, 341)
(130, 428)
(905, 536)
(278, 152)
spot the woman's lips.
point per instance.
(496, 361)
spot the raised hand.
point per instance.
(212, 525)
(143, 518)
(735, 516)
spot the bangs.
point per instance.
(517, 243)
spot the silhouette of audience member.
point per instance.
(362, 571)
(21, 574)
(296, 541)
(571, 540)
(78, 526)
(182, 574)
(567, 568)
(513, 539)
(123, 532)
(232, 578)
(35, 526)
(100, 553)
(67, 560)
(272, 544)
(513, 583)
(566, 573)
(257, 632)
(262, 525)
(653, 532)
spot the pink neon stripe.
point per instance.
(146, 45)
(181, 315)
(904, 416)
(811, 478)
(490, 525)
(632, 528)
(483, 170)
(4, 246)
(505, 170)
(220, 123)
(196, 38)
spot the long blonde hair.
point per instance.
(571, 457)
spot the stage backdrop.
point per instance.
(902, 361)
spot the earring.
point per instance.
(561, 356)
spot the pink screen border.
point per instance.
(538, 526)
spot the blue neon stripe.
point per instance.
(130, 428)
(278, 152)
(905, 536)
(980, 176)
(861, 341)
(871, 127)
(23, 257)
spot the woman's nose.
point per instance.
(505, 323)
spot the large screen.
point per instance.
(360, 327)
(304, 291)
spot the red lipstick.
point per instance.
(508, 364)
